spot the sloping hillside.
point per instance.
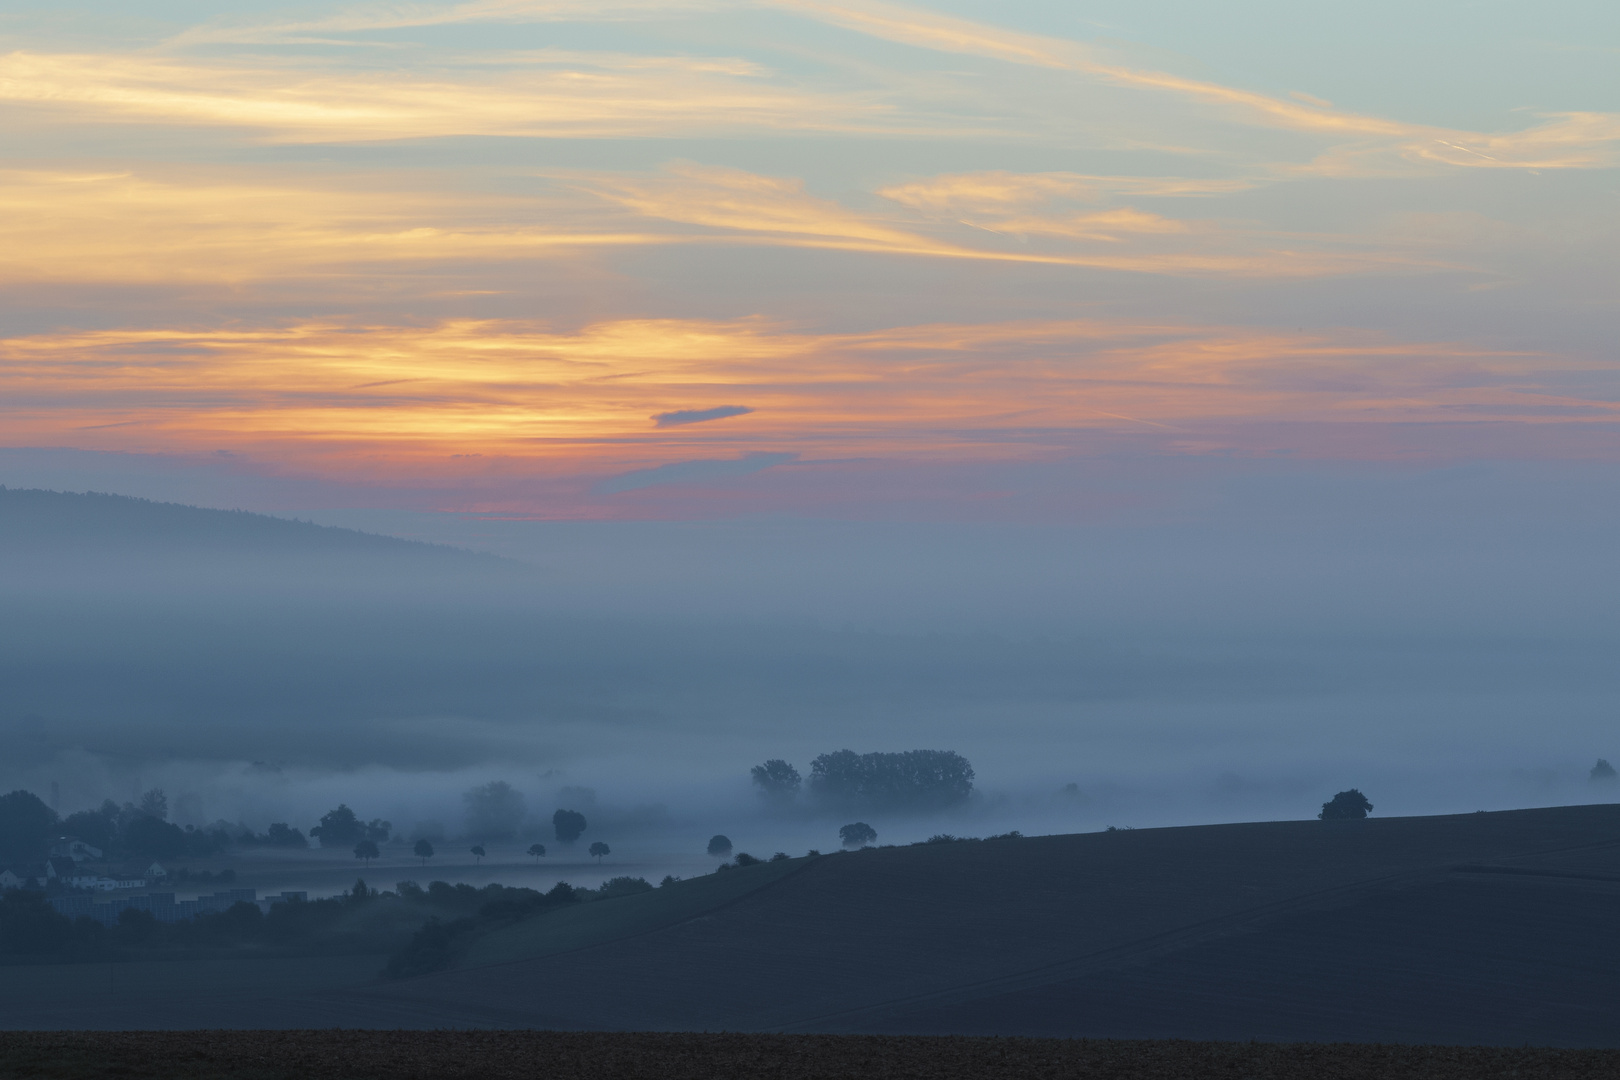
(1279, 930)
(1478, 928)
(37, 521)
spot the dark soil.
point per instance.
(492, 1055)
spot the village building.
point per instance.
(69, 848)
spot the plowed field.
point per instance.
(492, 1055)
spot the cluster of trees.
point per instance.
(912, 780)
(137, 830)
(341, 828)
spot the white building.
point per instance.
(77, 850)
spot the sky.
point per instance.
(1219, 335)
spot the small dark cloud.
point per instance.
(691, 472)
(697, 416)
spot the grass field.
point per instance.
(395, 1055)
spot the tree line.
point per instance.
(912, 780)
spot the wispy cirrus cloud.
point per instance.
(229, 225)
(1557, 140)
(537, 94)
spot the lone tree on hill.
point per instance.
(537, 850)
(478, 853)
(777, 779)
(423, 850)
(720, 845)
(857, 834)
(367, 850)
(1346, 806)
(569, 825)
(600, 849)
(1602, 771)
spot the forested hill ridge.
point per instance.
(54, 521)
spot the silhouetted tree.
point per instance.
(777, 779)
(359, 894)
(857, 834)
(26, 823)
(95, 827)
(154, 804)
(537, 850)
(1346, 805)
(745, 859)
(569, 825)
(367, 850)
(339, 828)
(280, 834)
(600, 849)
(1602, 771)
(720, 845)
(153, 838)
(494, 810)
(423, 850)
(478, 852)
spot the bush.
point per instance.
(745, 859)
(622, 886)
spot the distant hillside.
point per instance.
(51, 521)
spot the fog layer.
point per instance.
(1440, 639)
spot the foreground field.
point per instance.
(443, 1055)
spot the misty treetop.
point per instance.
(495, 811)
(341, 828)
(135, 830)
(912, 780)
(777, 778)
(26, 824)
(569, 825)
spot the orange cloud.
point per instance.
(584, 403)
